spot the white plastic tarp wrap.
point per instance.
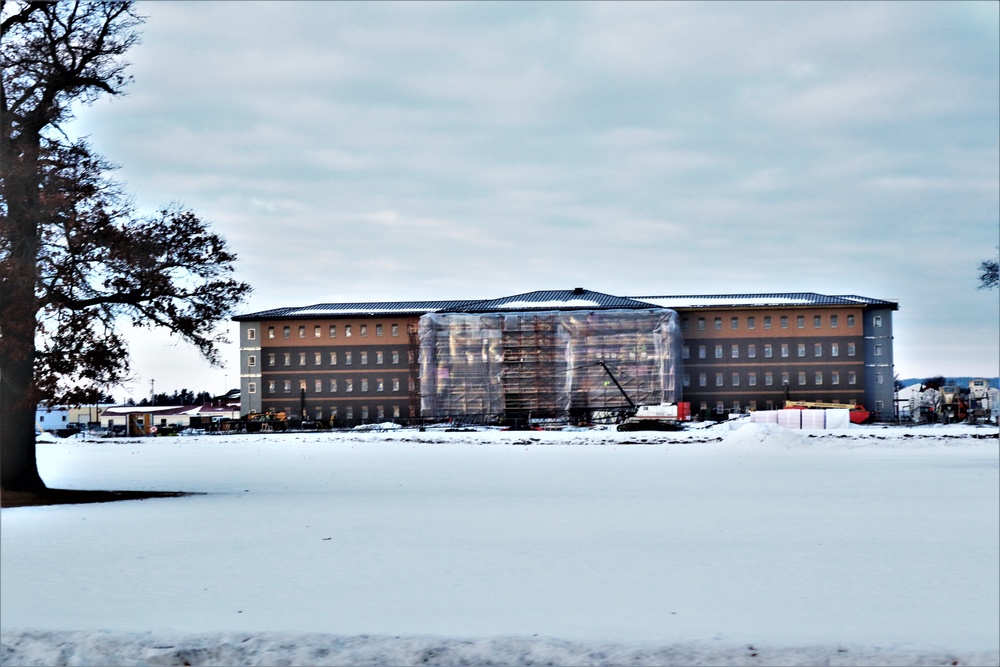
(546, 363)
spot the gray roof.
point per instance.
(575, 299)
(371, 308)
(763, 299)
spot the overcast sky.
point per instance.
(384, 151)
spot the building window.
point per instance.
(270, 332)
(801, 349)
(378, 329)
(302, 331)
(286, 332)
(767, 350)
(817, 321)
(270, 386)
(718, 324)
(252, 360)
(751, 322)
(701, 351)
(288, 386)
(379, 384)
(734, 323)
(287, 356)
(333, 386)
(302, 385)
(395, 356)
(752, 379)
(753, 406)
(395, 412)
(734, 352)
(784, 378)
(784, 321)
(394, 329)
(685, 324)
(686, 352)
(302, 358)
(251, 387)
(379, 412)
(720, 407)
(878, 378)
(767, 321)
(364, 384)
(833, 321)
(834, 349)
(878, 349)
(318, 359)
(364, 330)
(800, 321)
(349, 412)
(251, 334)
(768, 378)
(317, 331)
(852, 377)
(687, 380)
(318, 386)
(378, 357)
(834, 377)
(851, 349)
(347, 358)
(333, 358)
(349, 385)
(751, 350)
(877, 321)
(736, 379)
(784, 349)
(718, 379)
(364, 358)
(347, 331)
(364, 412)
(702, 379)
(333, 331)
(802, 377)
(319, 413)
(736, 407)
(817, 349)
(850, 321)
(701, 324)
(333, 414)
(395, 384)
(819, 378)
(718, 351)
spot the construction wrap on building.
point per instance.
(546, 364)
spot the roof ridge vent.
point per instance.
(578, 290)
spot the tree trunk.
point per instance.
(18, 469)
(18, 312)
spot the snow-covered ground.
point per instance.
(710, 546)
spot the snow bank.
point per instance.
(265, 649)
(860, 546)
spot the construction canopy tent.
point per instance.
(547, 364)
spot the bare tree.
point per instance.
(989, 274)
(74, 255)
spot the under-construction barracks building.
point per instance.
(560, 354)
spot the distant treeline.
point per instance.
(936, 380)
(182, 397)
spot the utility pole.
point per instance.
(152, 392)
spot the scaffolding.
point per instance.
(546, 365)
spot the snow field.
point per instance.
(862, 546)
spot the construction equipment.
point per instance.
(858, 414)
(663, 417)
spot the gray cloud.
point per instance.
(403, 150)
